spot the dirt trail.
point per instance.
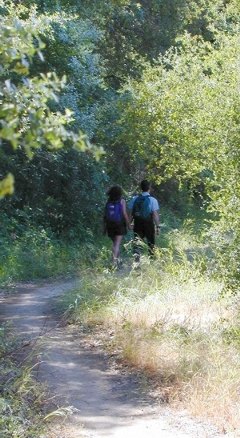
(109, 403)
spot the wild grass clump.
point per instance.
(21, 397)
(33, 253)
(26, 409)
(170, 320)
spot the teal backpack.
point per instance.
(142, 208)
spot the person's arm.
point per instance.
(130, 215)
(130, 209)
(156, 218)
(125, 214)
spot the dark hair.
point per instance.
(145, 185)
(114, 193)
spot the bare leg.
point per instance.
(116, 247)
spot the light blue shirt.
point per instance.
(153, 202)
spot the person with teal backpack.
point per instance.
(144, 211)
(116, 220)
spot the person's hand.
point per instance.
(157, 230)
(130, 226)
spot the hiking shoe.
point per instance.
(136, 258)
(119, 263)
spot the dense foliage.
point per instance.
(185, 114)
(155, 83)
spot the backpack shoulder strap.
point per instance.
(138, 197)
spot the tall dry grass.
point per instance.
(174, 323)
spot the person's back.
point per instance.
(114, 212)
(116, 219)
(144, 210)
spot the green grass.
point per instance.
(21, 397)
(37, 254)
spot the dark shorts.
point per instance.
(114, 229)
(145, 229)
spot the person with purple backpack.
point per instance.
(116, 220)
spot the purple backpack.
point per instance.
(113, 212)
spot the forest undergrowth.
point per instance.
(31, 252)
